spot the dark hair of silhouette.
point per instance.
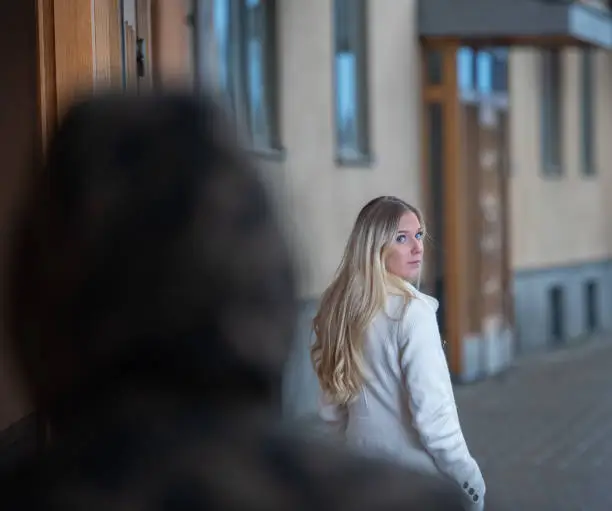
(147, 251)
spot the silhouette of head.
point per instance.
(148, 249)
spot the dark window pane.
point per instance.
(433, 62)
(500, 69)
(588, 114)
(257, 52)
(591, 306)
(551, 111)
(435, 136)
(556, 314)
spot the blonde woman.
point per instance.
(379, 357)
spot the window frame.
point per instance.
(233, 72)
(358, 152)
(588, 124)
(552, 121)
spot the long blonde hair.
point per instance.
(357, 293)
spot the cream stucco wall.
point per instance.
(555, 222)
(566, 220)
(321, 198)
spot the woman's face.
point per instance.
(405, 254)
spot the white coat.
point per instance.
(406, 410)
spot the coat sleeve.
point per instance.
(432, 403)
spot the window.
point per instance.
(350, 76)
(552, 109)
(556, 311)
(245, 33)
(591, 306)
(484, 71)
(499, 69)
(466, 69)
(434, 67)
(588, 113)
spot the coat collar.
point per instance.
(429, 300)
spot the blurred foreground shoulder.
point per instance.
(336, 479)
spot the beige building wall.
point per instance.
(565, 220)
(555, 221)
(323, 199)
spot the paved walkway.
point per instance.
(543, 431)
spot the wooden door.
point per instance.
(466, 203)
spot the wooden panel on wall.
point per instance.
(143, 32)
(101, 38)
(79, 48)
(74, 51)
(47, 90)
(107, 43)
(491, 219)
(131, 77)
(455, 217)
(171, 40)
(116, 46)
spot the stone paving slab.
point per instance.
(542, 432)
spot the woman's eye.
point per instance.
(419, 235)
(401, 238)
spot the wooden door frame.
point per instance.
(455, 212)
(457, 215)
(47, 86)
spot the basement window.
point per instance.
(556, 301)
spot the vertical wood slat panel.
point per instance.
(143, 31)
(74, 51)
(115, 43)
(454, 215)
(101, 39)
(171, 43)
(130, 52)
(107, 43)
(47, 90)
(79, 43)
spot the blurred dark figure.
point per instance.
(153, 303)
